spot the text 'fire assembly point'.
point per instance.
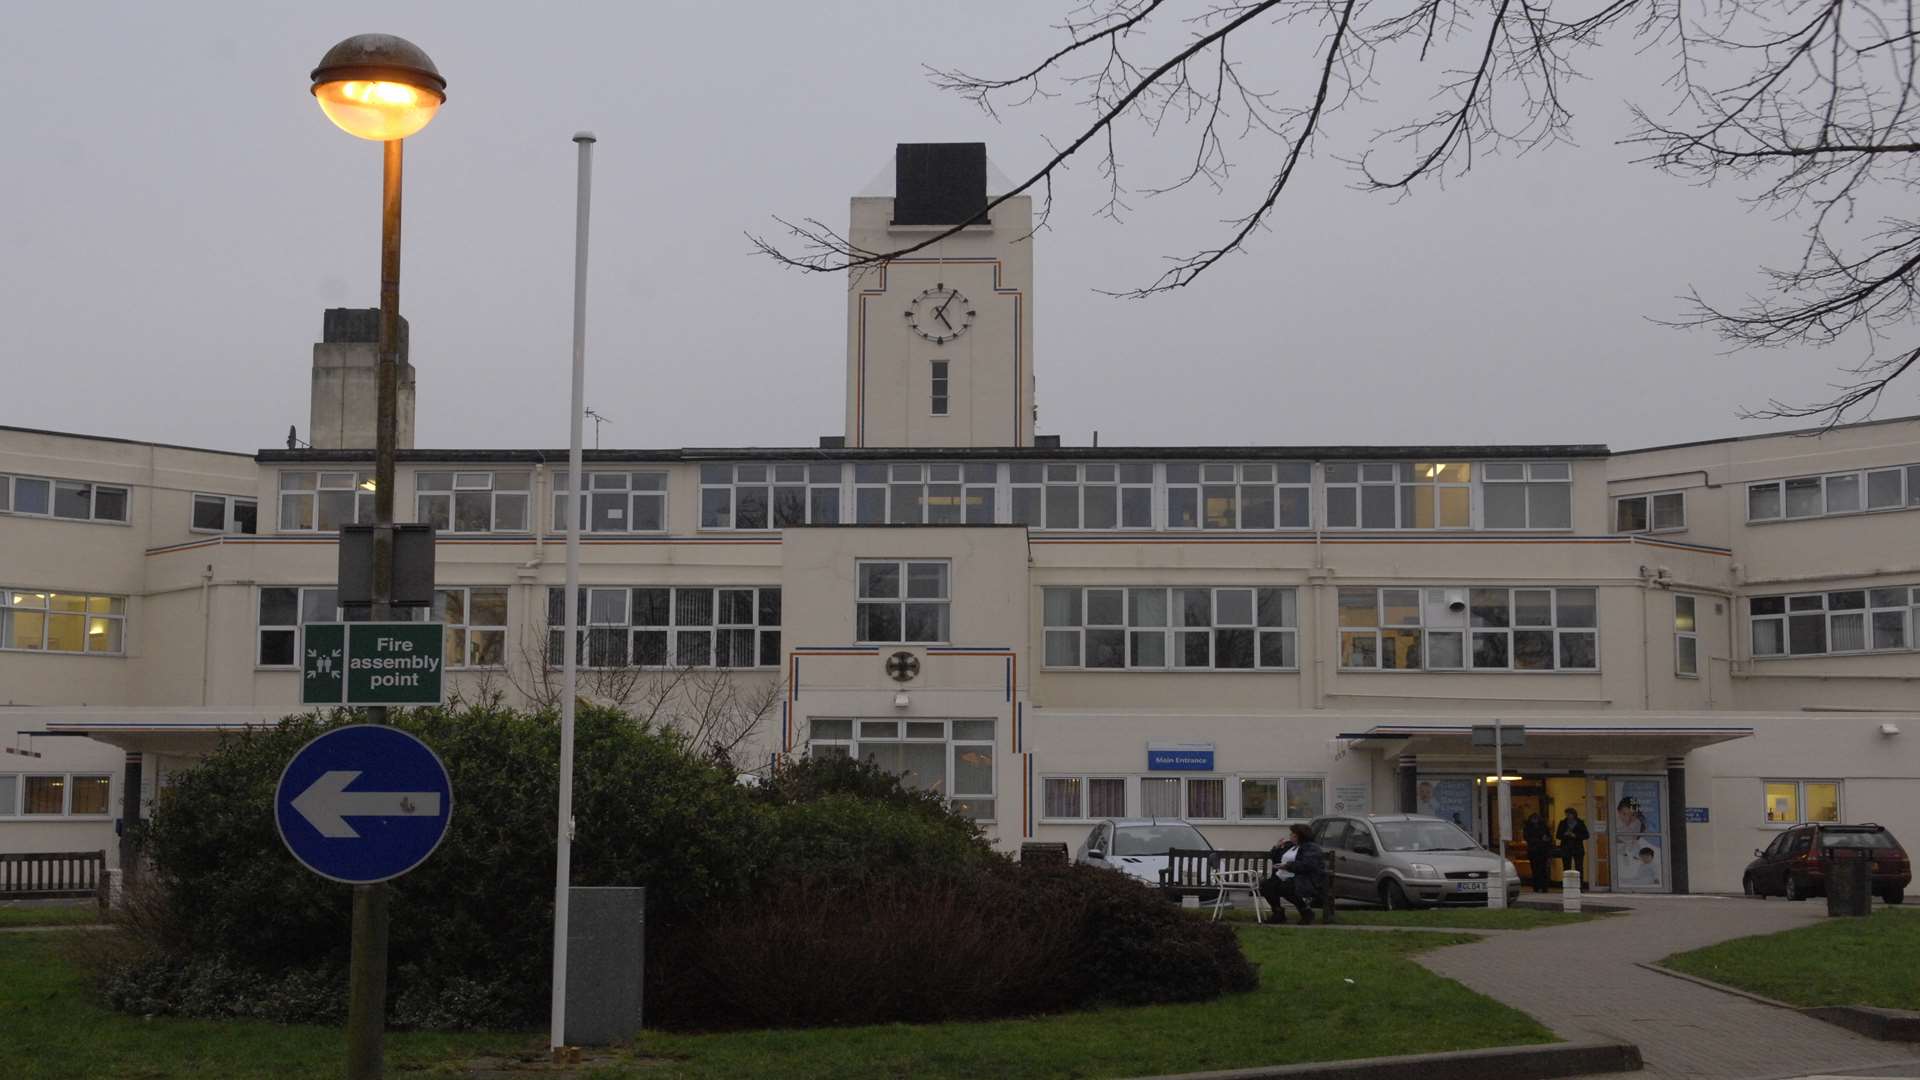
(373, 664)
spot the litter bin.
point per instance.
(1849, 883)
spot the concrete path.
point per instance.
(1584, 982)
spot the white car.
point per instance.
(1137, 847)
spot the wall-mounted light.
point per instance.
(1889, 729)
(901, 701)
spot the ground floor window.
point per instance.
(1272, 798)
(1790, 802)
(1084, 796)
(1253, 797)
(55, 795)
(951, 757)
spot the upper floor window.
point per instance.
(1400, 495)
(1686, 636)
(74, 500)
(1263, 495)
(1064, 495)
(622, 501)
(62, 622)
(284, 612)
(938, 405)
(1527, 495)
(1660, 512)
(1841, 621)
(324, 501)
(1835, 493)
(225, 514)
(1223, 629)
(931, 494)
(762, 496)
(903, 601)
(472, 502)
(661, 627)
(1481, 629)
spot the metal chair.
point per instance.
(1232, 881)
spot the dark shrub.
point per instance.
(906, 946)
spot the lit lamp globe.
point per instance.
(378, 87)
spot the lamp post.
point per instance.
(382, 88)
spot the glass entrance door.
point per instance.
(1581, 794)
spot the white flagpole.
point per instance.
(570, 649)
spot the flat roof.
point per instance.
(126, 442)
(949, 453)
(1801, 433)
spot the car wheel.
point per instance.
(1394, 897)
(1893, 896)
(1746, 886)
(1794, 891)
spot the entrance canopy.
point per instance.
(1550, 739)
(173, 730)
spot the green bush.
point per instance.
(829, 894)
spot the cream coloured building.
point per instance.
(1721, 632)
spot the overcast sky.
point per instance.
(178, 213)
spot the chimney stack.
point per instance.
(346, 382)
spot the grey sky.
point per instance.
(178, 213)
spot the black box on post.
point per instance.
(412, 566)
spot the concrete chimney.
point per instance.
(346, 382)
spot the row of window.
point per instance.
(660, 627)
(1206, 798)
(475, 618)
(74, 500)
(1478, 629)
(1053, 496)
(951, 757)
(1834, 493)
(55, 795)
(1156, 629)
(1841, 621)
(62, 622)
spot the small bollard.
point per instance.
(1570, 892)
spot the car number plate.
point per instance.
(1470, 886)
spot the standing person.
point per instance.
(1308, 862)
(1572, 835)
(1539, 852)
(1277, 887)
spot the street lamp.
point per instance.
(383, 88)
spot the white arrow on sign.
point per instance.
(326, 804)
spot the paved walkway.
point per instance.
(1584, 982)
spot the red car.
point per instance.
(1795, 864)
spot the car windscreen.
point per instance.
(1157, 839)
(1424, 836)
(1857, 838)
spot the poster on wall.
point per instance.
(1638, 808)
(1639, 863)
(1450, 800)
(1350, 798)
(1635, 817)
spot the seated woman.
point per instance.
(1299, 874)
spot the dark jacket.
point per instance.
(1310, 870)
(1572, 835)
(1537, 836)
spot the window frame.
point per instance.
(1649, 510)
(360, 489)
(1800, 818)
(1285, 484)
(1686, 631)
(69, 784)
(954, 743)
(902, 600)
(298, 628)
(228, 504)
(1800, 605)
(10, 504)
(563, 486)
(12, 607)
(1403, 478)
(1908, 476)
(1531, 479)
(1464, 627)
(631, 629)
(1171, 629)
(1083, 795)
(466, 628)
(461, 481)
(939, 376)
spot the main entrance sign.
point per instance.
(362, 804)
(373, 664)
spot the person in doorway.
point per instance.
(1539, 852)
(1572, 835)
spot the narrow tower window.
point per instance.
(939, 387)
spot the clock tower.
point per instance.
(940, 342)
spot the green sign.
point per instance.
(373, 664)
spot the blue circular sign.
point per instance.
(363, 803)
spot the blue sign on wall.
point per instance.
(1180, 757)
(1696, 815)
(363, 803)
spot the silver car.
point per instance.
(1137, 847)
(1410, 860)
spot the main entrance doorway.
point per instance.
(1626, 844)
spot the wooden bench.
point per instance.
(1190, 871)
(54, 875)
(1041, 853)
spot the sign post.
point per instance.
(1499, 736)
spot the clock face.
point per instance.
(940, 314)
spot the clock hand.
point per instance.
(943, 320)
(942, 309)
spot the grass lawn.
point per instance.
(1835, 962)
(1306, 1009)
(1463, 918)
(50, 915)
